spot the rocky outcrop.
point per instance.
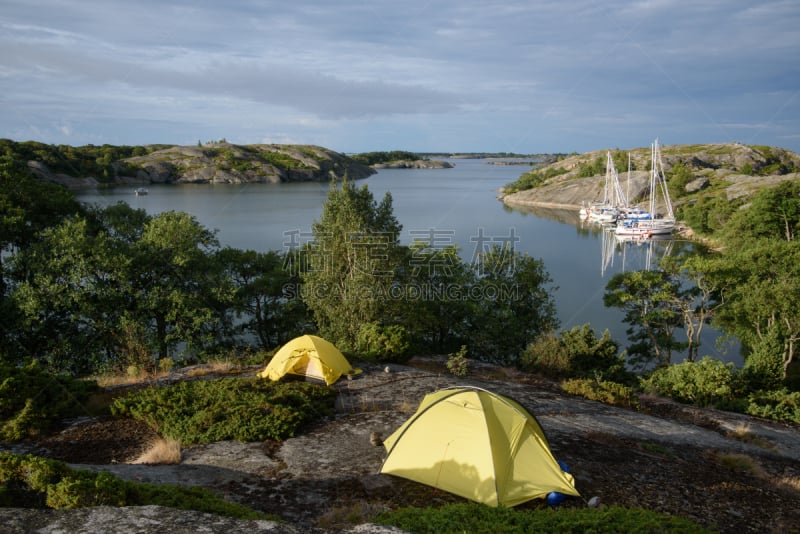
(224, 163)
(40, 171)
(221, 163)
(150, 519)
(697, 185)
(327, 478)
(143, 519)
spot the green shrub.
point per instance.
(592, 168)
(477, 519)
(32, 399)
(390, 343)
(371, 158)
(679, 175)
(165, 365)
(763, 367)
(602, 391)
(709, 214)
(546, 355)
(457, 362)
(35, 482)
(533, 178)
(579, 353)
(246, 410)
(82, 489)
(781, 405)
(281, 160)
(708, 382)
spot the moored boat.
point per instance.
(654, 224)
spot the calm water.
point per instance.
(450, 206)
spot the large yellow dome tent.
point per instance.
(308, 356)
(479, 445)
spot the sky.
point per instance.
(421, 75)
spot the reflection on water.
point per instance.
(633, 253)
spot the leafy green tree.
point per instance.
(697, 297)
(708, 215)
(648, 300)
(353, 263)
(433, 305)
(120, 221)
(763, 369)
(175, 284)
(512, 304)
(70, 291)
(26, 208)
(773, 213)
(267, 297)
(759, 285)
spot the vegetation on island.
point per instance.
(533, 178)
(87, 290)
(111, 165)
(373, 158)
(102, 162)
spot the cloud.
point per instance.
(417, 70)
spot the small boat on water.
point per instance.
(141, 191)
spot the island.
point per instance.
(216, 162)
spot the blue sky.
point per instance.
(433, 75)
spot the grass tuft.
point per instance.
(743, 433)
(164, 451)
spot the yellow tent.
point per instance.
(309, 356)
(479, 445)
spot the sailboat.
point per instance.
(658, 183)
(633, 213)
(608, 210)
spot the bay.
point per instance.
(444, 206)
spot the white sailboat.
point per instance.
(655, 225)
(608, 210)
(633, 213)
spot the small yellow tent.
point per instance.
(308, 356)
(479, 445)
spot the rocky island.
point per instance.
(213, 163)
(738, 169)
(414, 164)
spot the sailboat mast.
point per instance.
(628, 192)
